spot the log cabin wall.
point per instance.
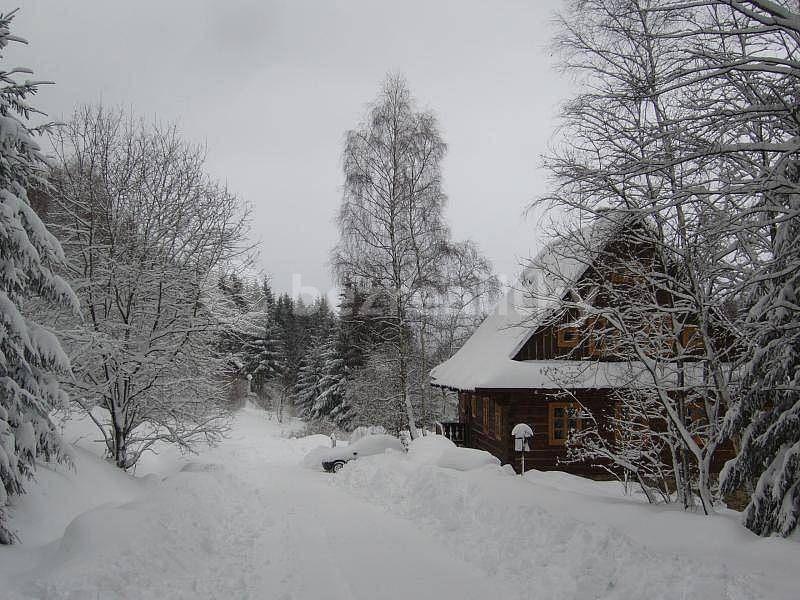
(485, 417)
(497, 411)
(534, 408)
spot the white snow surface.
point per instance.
(555, 535)
(522, 430)
(246, 520)
(466, 459)
(243, 520)
(428, 449)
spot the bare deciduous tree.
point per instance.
(145, 231)
(688, 121)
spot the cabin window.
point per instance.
(568, 337)
(474, 406)
(563, 418)
(486, 414)
(498, 421)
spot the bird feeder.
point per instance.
(523, 437)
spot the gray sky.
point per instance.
(271, 87)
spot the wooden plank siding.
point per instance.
(531, 407)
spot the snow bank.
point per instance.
(59, 494)
(467, 459)
(565, 542)
(110, 547)
(428, 449)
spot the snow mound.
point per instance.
(196, 467)
(105, 551)
(428, 449)
(59, 494)
(568, 545)
(467, 459)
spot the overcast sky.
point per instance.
(271, 87)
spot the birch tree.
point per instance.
(390, 222)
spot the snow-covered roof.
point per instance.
(486, 359)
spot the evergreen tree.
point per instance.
(768, 416)
(332, 399)
(263, 350)
(291, 335)
(321, 318)
(352, 326)
(365, 321)
(31, 355)
(309, 381)
(269, 297)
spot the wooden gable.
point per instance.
(568, 336)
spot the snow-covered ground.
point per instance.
(247, 520)
(243, 520)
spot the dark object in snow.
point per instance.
(368, 446)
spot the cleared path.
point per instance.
(245, 520)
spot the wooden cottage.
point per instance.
(528, 363)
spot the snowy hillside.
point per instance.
(247, 520)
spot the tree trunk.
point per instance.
(704, 479)
(120, 443)
(405, 382)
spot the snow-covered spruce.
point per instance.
(768, 416)
(332, 401)
(322, 380)
(31, 355)
(309, 379)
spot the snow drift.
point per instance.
(570, 538)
